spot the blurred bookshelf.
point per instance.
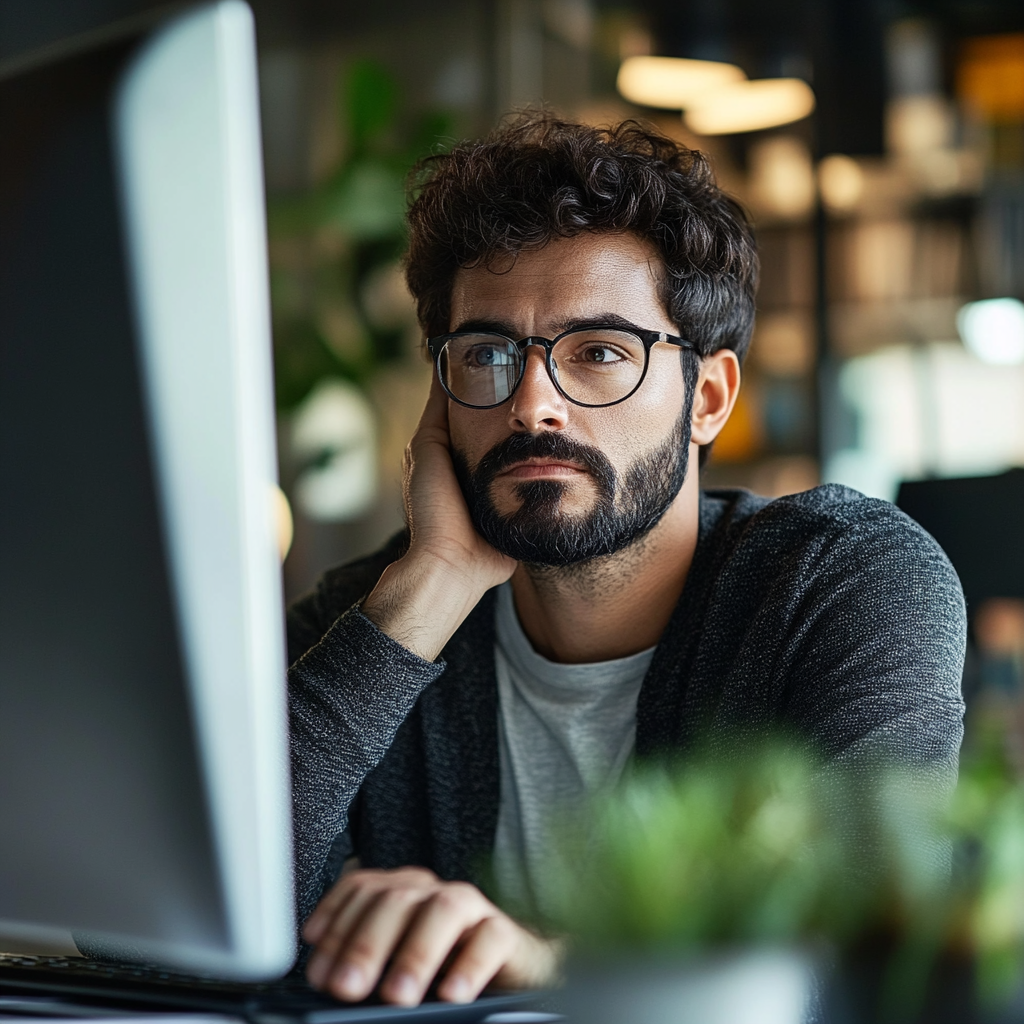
(863, 377)
(857, 372)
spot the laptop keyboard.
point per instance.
(72, 970)
(40, 985)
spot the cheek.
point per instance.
(474, 432)
(664, 385)
(646, 419)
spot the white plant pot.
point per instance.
(764, 986)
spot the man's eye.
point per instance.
(484, 355)
(599, 354)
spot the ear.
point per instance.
(718, 384)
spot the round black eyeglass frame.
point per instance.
(436, 346)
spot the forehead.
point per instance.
(583, 276)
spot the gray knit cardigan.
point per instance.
(825, 613)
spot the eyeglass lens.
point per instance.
(593, 367)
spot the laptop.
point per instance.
(144, 788)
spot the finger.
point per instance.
(438, 926)
(335, 897)
(371, 941)
(432, 429)
(331, 943)
(339, 893)
(487, 949)
(537, 963)
(356, 891)
(368, 879)
(435, 412)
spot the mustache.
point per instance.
(518, 447)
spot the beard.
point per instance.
(540, 532)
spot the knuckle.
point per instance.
(360, 877)
(414, 958)
(329, 944)
(396, 899)
(479, 961)
(334, 931)
(469, 893)
(360, 950)
(458, 896)
(418, 875)
(499, 928)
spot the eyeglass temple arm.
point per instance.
(656, 336)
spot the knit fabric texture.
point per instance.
(827, 614)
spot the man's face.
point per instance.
(547, 481)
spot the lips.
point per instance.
(536, 468)
(555, 456)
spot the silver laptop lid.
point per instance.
(143, 744)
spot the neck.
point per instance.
(614, 606)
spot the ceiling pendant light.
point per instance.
(749, 106)
(673, 83)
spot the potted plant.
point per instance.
(762, 886)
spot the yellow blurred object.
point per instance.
(841, 181)
(282, 512)
(672, 83)
(918, 125)
(783, 343)
(788, 474)
(990, 76)
(999, 626)
(782, 177)
(740, 438)
(750, 106)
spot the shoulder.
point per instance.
(846, 612)
(311, 615)
(820, 518)
(830, 538)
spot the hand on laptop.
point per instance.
(405, 927)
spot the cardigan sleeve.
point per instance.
(350, 687)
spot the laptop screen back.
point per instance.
(143, 779)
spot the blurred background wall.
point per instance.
(889, 217)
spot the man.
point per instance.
(566, 599)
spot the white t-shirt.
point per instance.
(564, 731)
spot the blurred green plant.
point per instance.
(986, 912)
(758, 846)
(768, 846)
(329, 243)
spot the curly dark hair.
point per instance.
(537, 177)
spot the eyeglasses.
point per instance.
(595, 366)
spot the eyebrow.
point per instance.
(486, 326)
(601, 320)
(560, 327)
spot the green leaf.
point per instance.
(370, 100)
(301, 360)
(368, 202)
(434, 133)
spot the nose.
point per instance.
(537, 405)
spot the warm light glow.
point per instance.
(283, 520)
(672, 82)
(750, 106)
(918, 125)
(841, 181)
(781, 176)
(990, 78)
(993, 330)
